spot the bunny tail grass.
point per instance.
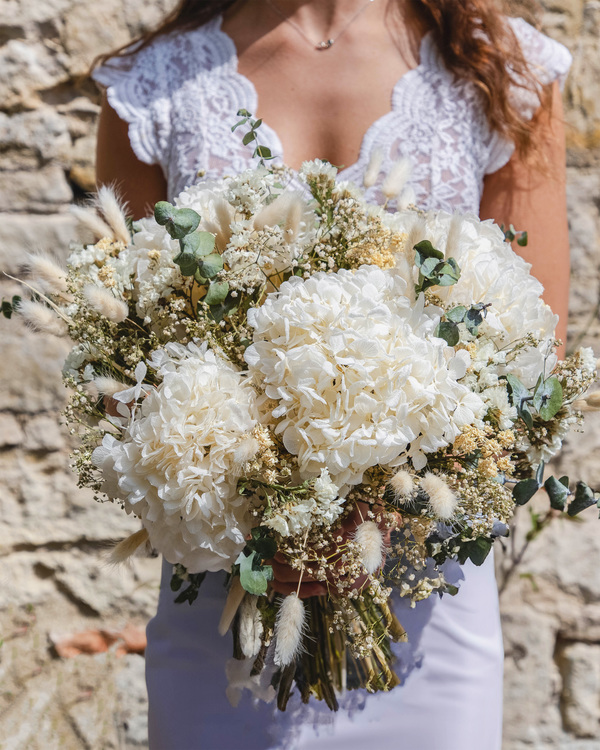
(87, 218)
(114, 214)
(289, 628)
(125, 549)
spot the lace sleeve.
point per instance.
(135, 90)
(549, 61)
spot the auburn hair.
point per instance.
(474, 39)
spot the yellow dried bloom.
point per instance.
(506, 438)
(488, 467)
(505, 464)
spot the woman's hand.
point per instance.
(285, 578)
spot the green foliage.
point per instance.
(197, 258)
(194, 581)
(511, 234)
(433, 269)
(475, 550)
(262, 152)
(520, 398)
(254, 576)
(8, 308)
(456, 314)
(178, 222)
(548, 398)
(524, 490)
(448, 331)
(217, 291)
(557, 491)
(584, 498)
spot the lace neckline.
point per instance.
(274, 142)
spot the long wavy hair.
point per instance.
(492, 61)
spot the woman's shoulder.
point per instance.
(168, 60)
(548, 59)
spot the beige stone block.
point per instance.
(11, 433)
(41, 191)
(580, 695)
(25, 69)
(21, 234)
(30, 369)
(43, 434)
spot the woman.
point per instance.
(464, 85)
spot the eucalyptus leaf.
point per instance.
(524, 490)
(448, 331)
(177, 221)
(254, 577)
(198, 244)
(539, 474)
(457, 314)
(429, 267)
(523, 240)
(217, 292)
(187, 263)
(425, 249)
(584, 498)
(448, 273)
(557, 492)
(218, 312)
(473, 319)
(263, 152)
(210, 265)
(548, 398)
(476, 550)
(248, 138)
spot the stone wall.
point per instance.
(53, 581)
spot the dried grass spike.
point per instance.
(41, 318)
(104, 302)
(370, 539)
(373, 168)
(113, 211)
(442, 499)
(127, 547)
(402, 485)
(289, 628)
(88, 219)
(108, 386)
(46, 272)
(397, 178)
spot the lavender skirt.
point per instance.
(451, 698)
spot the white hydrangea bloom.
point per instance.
(491, 272)
(359, 377)
(175, 468)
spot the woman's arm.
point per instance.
(140, 185)
(535, 201)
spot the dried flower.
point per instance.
(442, 499)
(370, 539)
(289, 628)
(105, 302)
(402, 485)
(41, 318)
(47, 273)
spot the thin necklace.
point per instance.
(327, 44)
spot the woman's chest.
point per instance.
(429, 120)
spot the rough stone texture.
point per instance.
(53, 537)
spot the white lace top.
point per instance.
(181, 93)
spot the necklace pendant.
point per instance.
(325, 45)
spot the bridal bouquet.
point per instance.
(267, 377)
